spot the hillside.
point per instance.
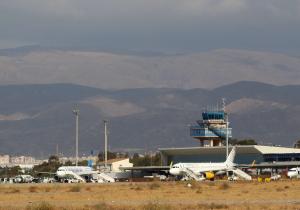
(35, 118)
(108, 70)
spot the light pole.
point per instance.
(76, 112)
(105, 143)
(227, 125)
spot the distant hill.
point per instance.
(35, 118)
(112, 70)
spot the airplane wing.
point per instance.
(41, 172)
(87, 173)
(214, 169)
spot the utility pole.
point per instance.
(227, 125)
(57, 150)
(105, 143)
(76, 112)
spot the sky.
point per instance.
(152, 25)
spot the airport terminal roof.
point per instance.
(241, 149)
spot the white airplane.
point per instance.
(202, 171)
(78, 172)
(81, 174)
(294, 173)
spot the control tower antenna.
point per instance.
(224, 104)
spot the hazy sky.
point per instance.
(154, 25)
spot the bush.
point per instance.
(32, 189)
(224, 186)
(102, 206)
(13, 190)
(155, 206)
(75, 188)
(47, 189)
(154, 186)
(40, 206)
(217, 206)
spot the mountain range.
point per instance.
(117, 70)
(34, 119)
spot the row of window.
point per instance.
(282, 157)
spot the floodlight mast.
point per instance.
(105, 143)
(76, 112)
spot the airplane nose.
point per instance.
(173, 171)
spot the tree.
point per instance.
(53, 159)
(110, 155)
(49, 167)
(147, 160)
(10, 172)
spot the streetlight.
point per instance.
(105, 143)
(76, 112)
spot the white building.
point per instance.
(4, 159)
(114, 165)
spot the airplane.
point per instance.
(81, 174)
(294, 173)
(202, 171)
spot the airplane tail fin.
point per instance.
(253, 164)
(231, 156)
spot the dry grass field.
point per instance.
(284, 194)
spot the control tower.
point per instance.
(212, 128)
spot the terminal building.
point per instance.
(212, 132)
(245, 154)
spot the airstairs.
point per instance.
(241, 174)
(191, 175)
(76, 176)
(102, 177)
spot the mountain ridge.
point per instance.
(139, 118)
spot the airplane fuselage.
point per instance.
(64, 171)
(197, 168)
(294, 173)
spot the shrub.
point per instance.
(154, 186)
(40, 206)
(155, 206)
(101, 206)
(75, 188)
(13, 190)
(138, 188)
(47, 189)
(279, 189)
(224, 186)
(216, 206)
(32, 189)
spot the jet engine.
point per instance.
(209, 175)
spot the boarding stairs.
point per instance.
(190, 174)
(76, 176)
(241, 174)
(102, 177)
